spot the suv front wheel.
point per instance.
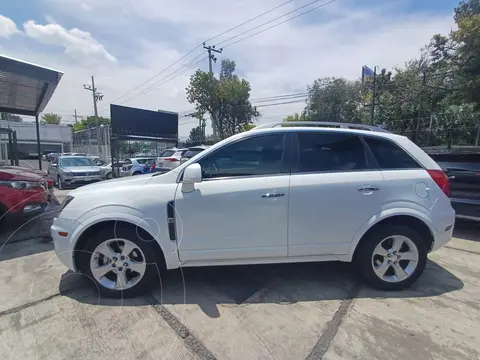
(392, 257)
(119, 262)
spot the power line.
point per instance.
(268, 22)
(199, 45)
(166, 79)
(278, 24)
(248, 21)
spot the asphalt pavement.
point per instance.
(289, 311)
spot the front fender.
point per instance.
(396, 211)
(157, 228)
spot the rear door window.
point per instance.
(330, 152)
(390, 156)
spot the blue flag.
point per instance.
(367, 72)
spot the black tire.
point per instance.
(109, 176)
(363, 257)
(146, 246)
(137, 173)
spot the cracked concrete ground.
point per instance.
(292, 311)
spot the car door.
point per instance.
(335, 187)
(240, 209)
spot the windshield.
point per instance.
(76, 161)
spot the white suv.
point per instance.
(269, 195)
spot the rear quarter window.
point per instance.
(390, 156)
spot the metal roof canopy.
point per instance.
(25, 89)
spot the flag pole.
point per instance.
(373, 94)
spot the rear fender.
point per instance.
(382, 216)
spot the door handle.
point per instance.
(368, 188)
(272, 195)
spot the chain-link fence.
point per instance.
(93, 141)
(85, 141)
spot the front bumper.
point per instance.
(63, 244)
(81, 180)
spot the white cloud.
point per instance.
(336, 41)
(7, 27)
(78, 44)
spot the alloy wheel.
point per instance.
(118, 264)
(395, 258)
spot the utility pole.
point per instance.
(97, 96)
(429, 130)
(211, 57)
(76, 116)
(372, 115)
(420, 110)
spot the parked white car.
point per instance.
(191, 152)
(170, 158)
(269, 195)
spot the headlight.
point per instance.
(65, 202)
(21, 184)
(67, 173)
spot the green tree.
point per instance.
(466, 40)
(90, 122)
(196, 136)
(248, 127)
(297, 117)
(335, 99)
(225, 99)
(51, 118)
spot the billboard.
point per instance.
(134, 122)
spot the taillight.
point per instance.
(170, 159)
(441, 179)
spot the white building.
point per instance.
(52, 137)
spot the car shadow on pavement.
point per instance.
(211, 287)
(467, 230)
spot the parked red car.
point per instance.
(42, 173)
(22, 192)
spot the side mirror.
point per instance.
(191, 176)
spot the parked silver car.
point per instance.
(73, 170)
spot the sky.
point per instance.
(125, 43)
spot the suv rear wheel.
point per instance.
(392, 257)
(119, 262)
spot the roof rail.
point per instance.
(324, 124)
